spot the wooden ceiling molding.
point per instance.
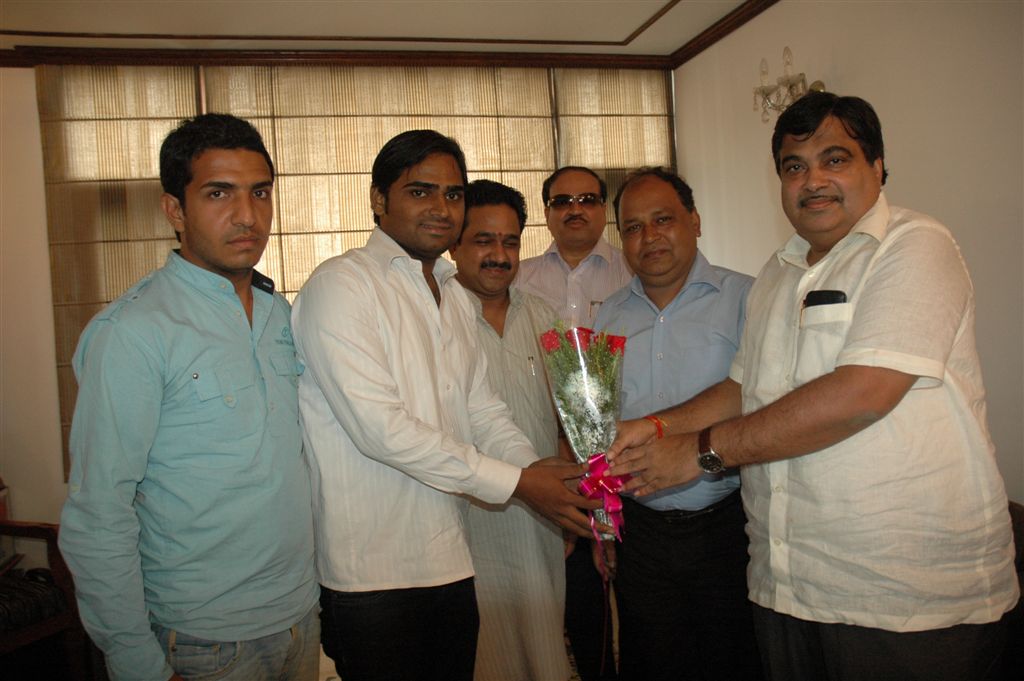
(33, 55)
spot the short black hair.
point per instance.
(545, 190)
(193, 136)
(806, 115)
(490, 193)
(408, 149)
(666, 175)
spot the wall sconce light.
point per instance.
(786, 90)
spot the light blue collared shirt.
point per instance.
(675, 353)
(188, 500)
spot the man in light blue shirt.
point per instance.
(681, 580)
(188, 523)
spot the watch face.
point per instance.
(710, 462)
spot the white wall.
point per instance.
(30, 446)
(946, 81)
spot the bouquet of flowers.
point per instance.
(585, 373)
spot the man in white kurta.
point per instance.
(879, 535)
(517, 554)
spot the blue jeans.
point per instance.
(289, 655)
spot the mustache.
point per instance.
(245, 234)
(815, 197)
(495, 264)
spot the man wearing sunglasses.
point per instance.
(574, 275)
(580, 268)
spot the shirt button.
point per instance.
(229, 400)
(573, 306)
(661, 319)
(661, 355)
(777, 542)
(448, 386)
(777, 489)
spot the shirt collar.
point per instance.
(385, 251)
(211, 281)
(515, 300)
(873, 224)
(602, 249)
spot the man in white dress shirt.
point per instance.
(517, 554)
(580, 268)
(400, 425)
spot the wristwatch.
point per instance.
(707, 458)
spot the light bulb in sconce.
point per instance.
(786, 89)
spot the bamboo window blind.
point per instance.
(102, 127)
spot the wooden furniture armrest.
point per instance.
(20, 528)
(58, 568)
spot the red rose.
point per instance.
(579, 337)
(617, 344)
(550, 340)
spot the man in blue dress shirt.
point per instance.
(681, 582)
(188, 523)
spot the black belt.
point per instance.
(676, 515)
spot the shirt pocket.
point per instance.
(226, 396)
(286, 366)
(283, 386)
(823, 331)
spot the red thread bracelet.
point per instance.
(658, 424)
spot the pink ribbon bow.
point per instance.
(597, 484)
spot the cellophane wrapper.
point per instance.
(585, 374)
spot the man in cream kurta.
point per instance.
(517, 554)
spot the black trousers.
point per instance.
(798, 650)
(421, 634)
(682, 595)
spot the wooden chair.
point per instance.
(63, 625)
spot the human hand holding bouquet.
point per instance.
(543, 485)
(585, 373)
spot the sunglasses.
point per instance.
(588, 200)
